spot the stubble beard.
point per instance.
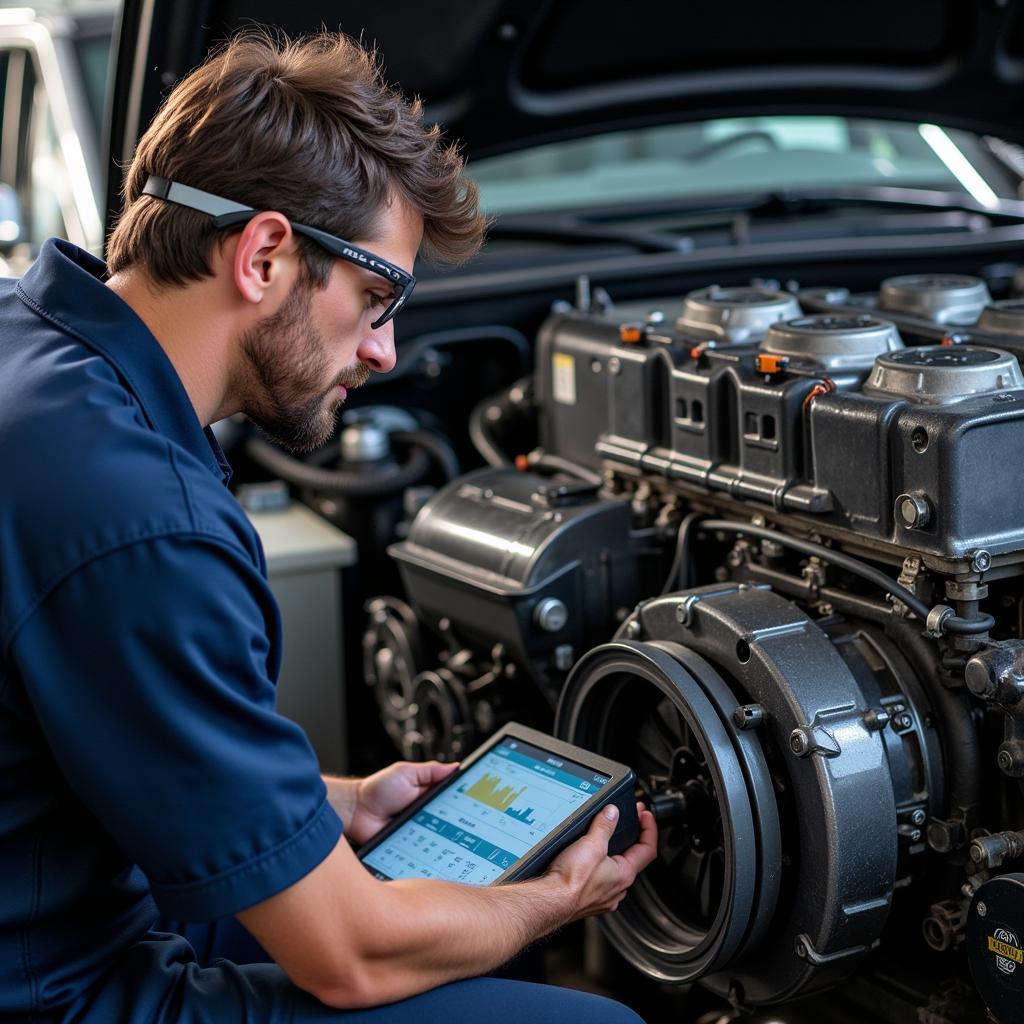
(287, 362)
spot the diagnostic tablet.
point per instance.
(504, 815)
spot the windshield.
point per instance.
(734, 155)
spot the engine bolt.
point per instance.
(982, 560)
(633, 629)
(614, 366)
(918, 817)
(1011, 758)
(684, 610)
(910, 833)
(551, 614)
(800, 742)
(982, 909)
(904, 721)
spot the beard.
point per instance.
(287, 364)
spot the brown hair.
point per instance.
(307, 127)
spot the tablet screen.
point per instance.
(490, 815)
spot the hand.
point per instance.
(599, 881)
(379, 797)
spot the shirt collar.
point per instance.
(65, 286)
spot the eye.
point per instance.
(374, 300)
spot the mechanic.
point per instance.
(143, 768)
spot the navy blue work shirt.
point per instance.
(142, 763)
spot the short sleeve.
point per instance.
(151, 672)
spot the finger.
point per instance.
(427, 773)
(603, 825)
(645, 849)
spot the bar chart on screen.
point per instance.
(500, 808)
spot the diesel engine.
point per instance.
(768, 551)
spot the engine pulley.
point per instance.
(792, 752)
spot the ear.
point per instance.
(265, 258)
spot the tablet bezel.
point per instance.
(620, 778)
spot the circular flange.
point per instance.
(835, 797)
(833, 343)
(713, 889)
(943, 298)
(940, 374)
(732, 315)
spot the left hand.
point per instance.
(379, 797)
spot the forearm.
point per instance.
(429, 933)
(355, 941)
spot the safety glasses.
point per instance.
(227, 214)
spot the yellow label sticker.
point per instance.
(1005, 949)
(563, 389)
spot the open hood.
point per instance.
(502, 74)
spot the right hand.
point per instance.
(597, 880)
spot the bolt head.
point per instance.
(1005, 760)
(981, 561)
(799, 742)
(551, 614)
(918, 817)
(982, 909)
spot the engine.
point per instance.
(768, 552)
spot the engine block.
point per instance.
(769, 551)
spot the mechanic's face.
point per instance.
(306, 357)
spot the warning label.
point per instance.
(1007, 950)
(563, 367)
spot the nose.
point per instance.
(377, 349)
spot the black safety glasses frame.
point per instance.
(228, 214)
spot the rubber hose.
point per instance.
(679, 574)
(480, 435)
(435, 446)
(344, 482)
(952, 624)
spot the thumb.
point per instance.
(604, 824)
(436, 771)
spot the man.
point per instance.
(273, 212)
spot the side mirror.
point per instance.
(12, 224)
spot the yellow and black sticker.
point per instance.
(1005, 949)
(563, 373)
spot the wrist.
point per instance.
(557, 891)
(343, 796)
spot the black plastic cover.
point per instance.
(995, 945)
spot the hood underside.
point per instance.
(504, 74)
